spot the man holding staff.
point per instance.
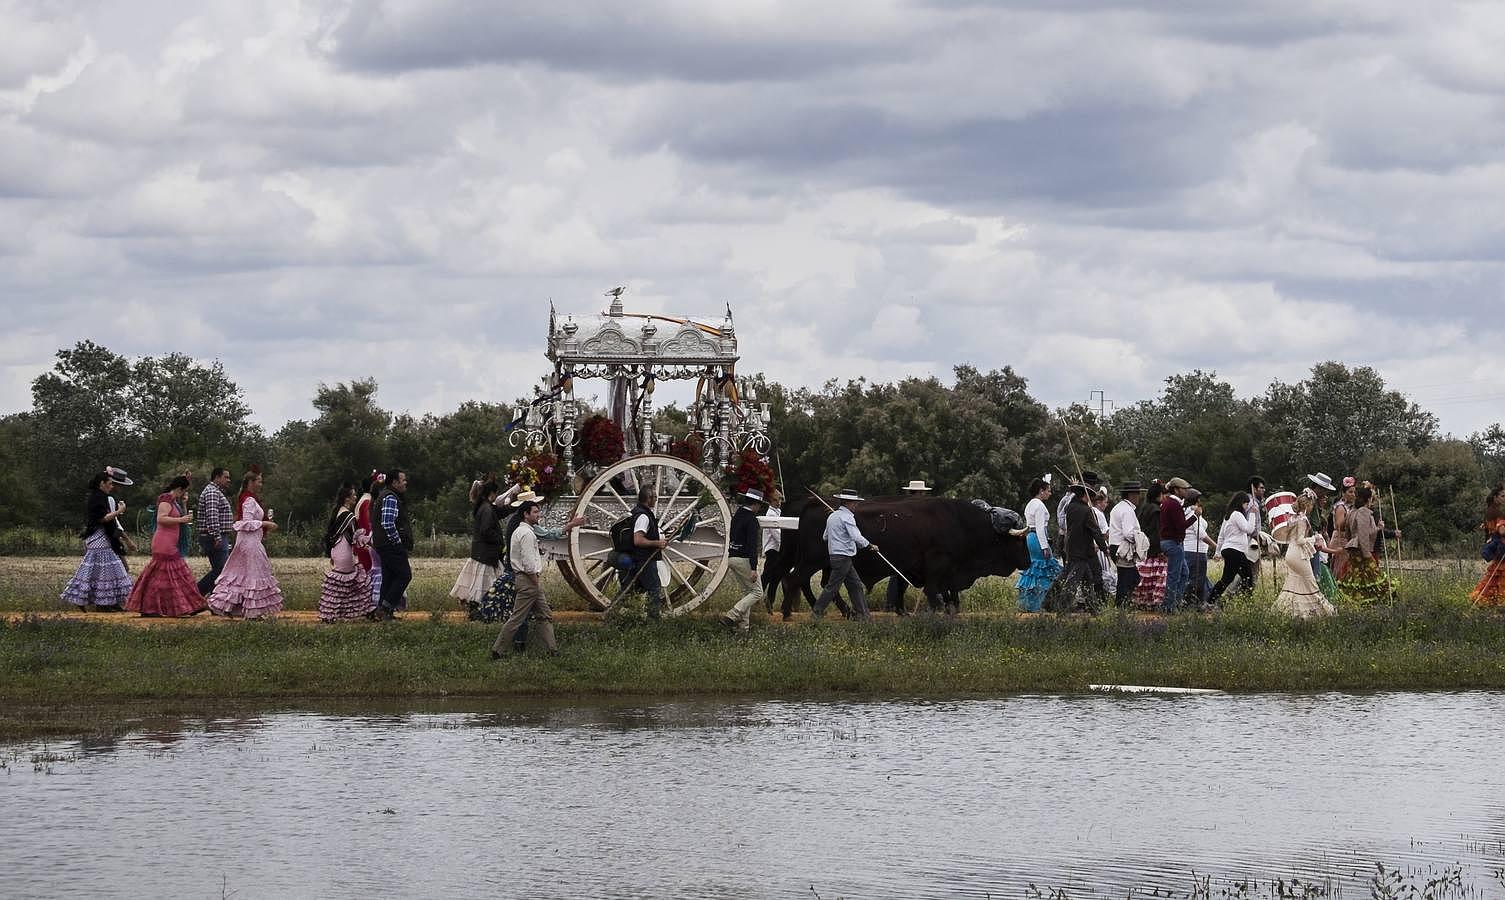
(843, 540)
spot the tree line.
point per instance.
(982, 435)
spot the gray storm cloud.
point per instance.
(1098, 193)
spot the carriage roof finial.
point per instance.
(616, 300)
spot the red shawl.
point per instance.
(240, 502)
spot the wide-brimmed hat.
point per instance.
(1177, 483)
(754, 495)
(1322, 481)
(525, 497)
(917, 485)
(118, 475)
(1091, 478)
(848, 494)
(1131, 487)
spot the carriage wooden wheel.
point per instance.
(693, 565)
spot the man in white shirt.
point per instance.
(843, 540)
(527, 565)
(1123, 535)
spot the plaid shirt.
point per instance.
(214, 517)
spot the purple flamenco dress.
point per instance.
(247, 588)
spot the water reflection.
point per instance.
(1088, 793)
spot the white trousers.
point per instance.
(741, 612)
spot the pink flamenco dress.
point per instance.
(347, 588)
(166, 586)
(246, 588)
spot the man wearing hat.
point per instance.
(1123, 539)
(119, 476)
(1174, 517)
(843, 540)
(744, 538)
(1090, 481)
(1083, 540)
(893, 600)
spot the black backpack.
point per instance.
(621, 535)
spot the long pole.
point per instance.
(832, 510)
(1076, 462)
(1400, 562)
(1384, 543)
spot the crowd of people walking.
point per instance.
(1149, 551)
(239, 583)
(1152, 550)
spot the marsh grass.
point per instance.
(1416, 644)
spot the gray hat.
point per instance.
(118, 475)
(848, 494)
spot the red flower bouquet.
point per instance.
(601, 441)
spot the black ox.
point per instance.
(941, 545)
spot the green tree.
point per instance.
(1333, 419)
(184, 410)
(345, 442)
(20, 482)
(82, 422)
(1438, 491)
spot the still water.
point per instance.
(1092, 795)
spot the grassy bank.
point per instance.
(49, 662)
(55, 669)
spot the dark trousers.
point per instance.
(843, 574)
(1235, 565)
(1197, 585)
(1128, 580)
(648, 580)
(217, 557)
(396, 575)
(1082, 573)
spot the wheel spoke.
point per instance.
(689, 559)
(596, 554)
(683, 580)
(610, 516)
(669, 507)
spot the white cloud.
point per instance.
(1096, 194)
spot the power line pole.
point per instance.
(1102, 403)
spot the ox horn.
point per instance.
(1018, 532)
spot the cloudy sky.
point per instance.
(1098, 193)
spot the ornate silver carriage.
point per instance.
(631, 352)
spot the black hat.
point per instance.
(1131, 487)
(1091, 478)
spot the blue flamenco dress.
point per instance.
(1035, 581)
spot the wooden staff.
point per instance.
(1074, 461)
(1384, 544)
(1400, 562)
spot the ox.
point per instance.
(940, 545)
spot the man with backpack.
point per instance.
(647, 545)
